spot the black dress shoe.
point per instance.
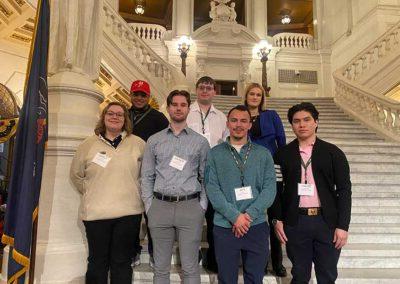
(281, 271)
(211, 268)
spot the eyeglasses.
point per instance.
(117, 114)
(205, 88)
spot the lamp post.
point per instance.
(263, 50)
(183, 48)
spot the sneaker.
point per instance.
(136, 260)
(151, 261)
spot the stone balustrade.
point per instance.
(293, 40)
(139, 53)
(380, 113)
(148, 31)
(373, 54)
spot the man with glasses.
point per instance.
(210, 122)
(146, 122)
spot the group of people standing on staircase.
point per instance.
(236, 171)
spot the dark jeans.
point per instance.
(311, 241)
(254, 249)
(138, 247)
(276, 247)
(210, 256)
(111, 248)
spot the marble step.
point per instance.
(326, 134)
(375, 201)
(376, 210)
(379, 218)
(383, 159)
(394, 188)
(371, 177)
(374, 167)
(381, 194)
(367, 228)
(333, 129)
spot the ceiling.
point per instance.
(160, 12)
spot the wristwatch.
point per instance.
(274, 221)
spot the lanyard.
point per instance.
(240, 165)
(135, 122)
(203, 120)
(305, 166)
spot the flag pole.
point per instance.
(32, 263)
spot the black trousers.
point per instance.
(138, 247)
(276, 247)
(110, 248)
(210, 256)
(311, 241)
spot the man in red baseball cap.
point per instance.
(146, 122)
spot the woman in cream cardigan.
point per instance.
(105, 170)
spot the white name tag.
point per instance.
(177, 163)
(101, 159)
(207, 136)
(305, 189)
(243, 193)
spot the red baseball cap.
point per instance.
(140, 86)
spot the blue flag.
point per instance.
(27, 166)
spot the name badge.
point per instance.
(305, 189)
(101, 159)
(177, 163)
(207, 136)
(243, 193)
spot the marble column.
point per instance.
(182, 17)
(259, 18)
(74, 62)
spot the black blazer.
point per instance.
(332, 177)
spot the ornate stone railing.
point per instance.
(148, 31)
(373, 54)
(293, 40)
(139, 54)
(380, 113)
(377, 111)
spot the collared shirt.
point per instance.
(214, 124)
(159, 176)
(308, 201)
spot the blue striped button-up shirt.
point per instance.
(159, 176)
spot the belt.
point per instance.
(176, 198)
(313, 211)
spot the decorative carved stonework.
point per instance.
(221, 12)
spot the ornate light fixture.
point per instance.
(183, 47)
(140, 5)
(263, 50)
(286, 19)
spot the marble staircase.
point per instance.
(373, 252)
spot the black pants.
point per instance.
(311, 241)
(138, 247)
(210, 257)
(110, 248)
(276, 248)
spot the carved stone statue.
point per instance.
(75, 36)
(222, 12)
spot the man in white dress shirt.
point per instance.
(210, 122)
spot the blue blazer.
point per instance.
(272, 131)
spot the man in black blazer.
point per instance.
(312, 213)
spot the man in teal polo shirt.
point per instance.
(241, 185)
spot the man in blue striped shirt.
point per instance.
(173, 191)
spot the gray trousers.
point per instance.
(167, 220)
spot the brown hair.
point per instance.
(101, 127)
(261, 107)
(175, 93)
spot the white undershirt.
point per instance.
(237, 147)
